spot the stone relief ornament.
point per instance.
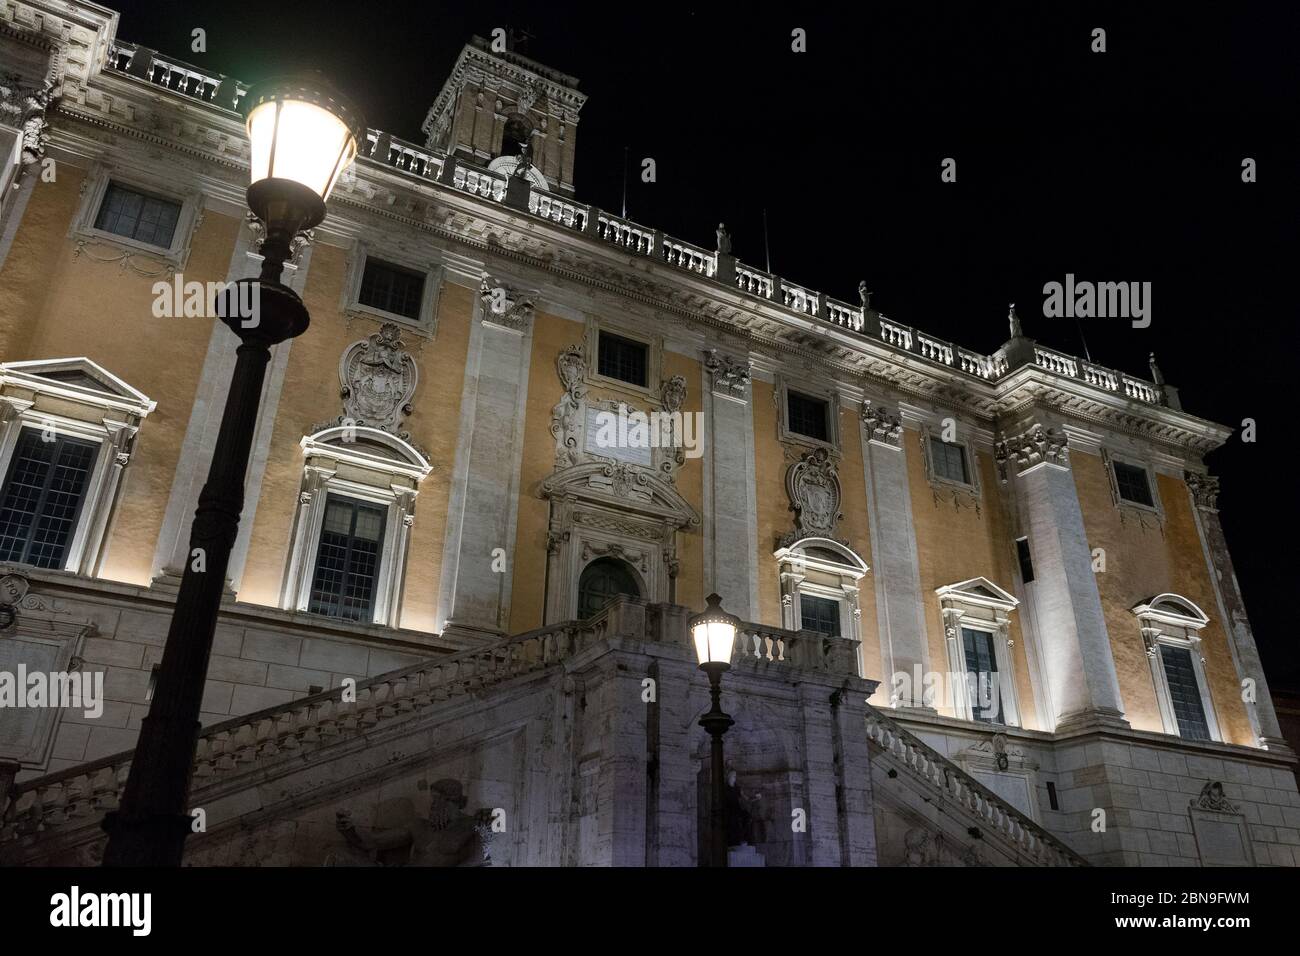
(1029, 448)
(814, 489)
(673, 393)
(882, 424)
(378, 377)
(728, 376)
(566, 416)
(447, 836)
(1204, 489)
(1213, 798)
(504, 306)
(24, 108)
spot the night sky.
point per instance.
(1119, 166)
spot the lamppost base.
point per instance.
(152, 840)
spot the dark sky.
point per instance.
(1119, 166)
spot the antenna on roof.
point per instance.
(767, 253)
(624, 182)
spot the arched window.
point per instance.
(518, 133)
(602, 581)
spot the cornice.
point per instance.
(148, 114)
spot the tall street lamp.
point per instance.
(714, 631)
(302, 136)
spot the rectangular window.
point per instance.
(1184, 692)
(949, 460)
(135, 215)
(982, 688)
(42, 497)
(1025, 559)
(819, 614)
(807, 415)
(1131, 480)
(391, 288)
(623, 359)
(347, 563)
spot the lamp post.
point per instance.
(302, 136)
(714, 631)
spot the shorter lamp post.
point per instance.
(714, 631)
(302, 135)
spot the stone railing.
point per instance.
(390, 151)
(479, 182)
(192, 81)
(570, 214)
(625, 233)
(761, 645)
(688, 257)
(176, 75)
(947, 781)
(88, 790)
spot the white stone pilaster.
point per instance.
(1072, 637)
(195, 457)
(730, 498)
(900, 608)
(483, 505)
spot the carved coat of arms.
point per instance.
(814, 490)
(379, 379)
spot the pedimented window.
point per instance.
(356, 506)
(67, 429)
(1171, 632)
(981, 670)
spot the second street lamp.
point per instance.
(714, 632)
(302, 136)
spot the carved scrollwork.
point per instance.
(727, 375)
(1031, 447)
(882, 424)
(378, 378)
(1204, 489)
(566, 416)
(504, 306)
(815, 495)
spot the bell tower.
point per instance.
(497, 101)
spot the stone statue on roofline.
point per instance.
(724, 239)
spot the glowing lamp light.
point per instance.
(303, 135)
(714, 631)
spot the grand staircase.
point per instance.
(57, 818)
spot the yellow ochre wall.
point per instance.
(53, 305)
(955, 545)
(310, 394)
(1141, 563)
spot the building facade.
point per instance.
(991, 613)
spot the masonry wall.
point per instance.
(1144, 559)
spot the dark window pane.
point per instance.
(982, 685)
(602, 581)
(1184, 692)
(126, 212)
(623, 359)
(1025, 559)
(949, 460)
(347, 560)
(392, 289)
(807, 415)
(819, 614)
(1132, 483)
(42, 498)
